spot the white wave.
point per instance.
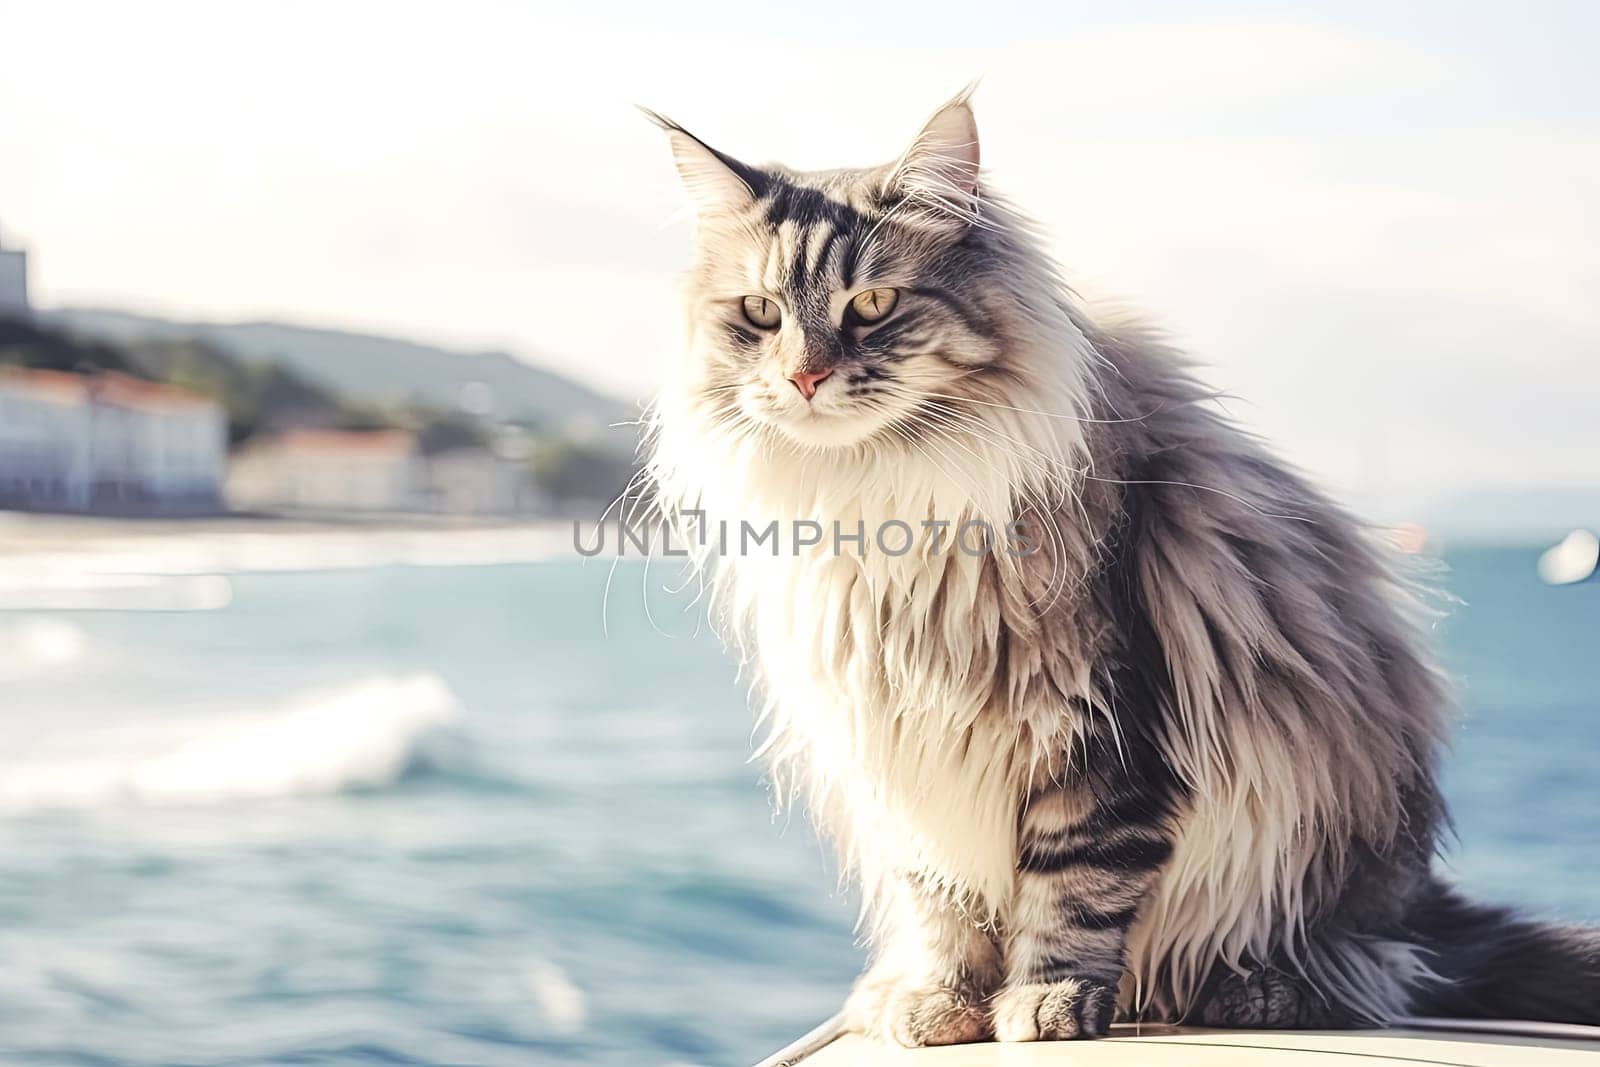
(31, 646)
(364, 734)
(564, 1006)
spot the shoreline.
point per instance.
(23, 530)
(52, 551)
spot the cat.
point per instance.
(1169, 749)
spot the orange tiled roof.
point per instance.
(366, 442)
(120, 389)
(108, 388)
(56, 384)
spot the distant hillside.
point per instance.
(370, 369)
(256, 396)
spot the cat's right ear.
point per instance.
(940, 169)
(717, 183)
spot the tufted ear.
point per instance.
(717, 183)
(941, 166)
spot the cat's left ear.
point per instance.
(716, 182)
(940, 169)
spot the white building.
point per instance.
(13, 280)
(329, 470)
(477, 481)
(107, 442)
(156, 445)
(46, 429)
(377, 471)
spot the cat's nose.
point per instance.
(806, 381)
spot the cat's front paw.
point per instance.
(916, 1015)
(1054, 1011)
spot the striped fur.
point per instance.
(1181, 759)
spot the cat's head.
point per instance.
(833, 308)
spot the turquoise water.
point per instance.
(437, 815)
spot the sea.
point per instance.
(459, 809)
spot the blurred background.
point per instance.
(319, 324)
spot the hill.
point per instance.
(370, 369)
(256, 397)
(264, 395)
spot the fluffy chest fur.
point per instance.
(910, 698)
(882, 691)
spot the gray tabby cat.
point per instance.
(1177, 761)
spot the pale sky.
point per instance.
(1376, 227)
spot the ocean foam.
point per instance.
(365, 734)
(30, 646)
(564, 1006)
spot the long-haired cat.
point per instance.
(1167, 749)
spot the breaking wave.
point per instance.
(365, 734)
(39, 645)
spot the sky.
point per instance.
(1374, 224)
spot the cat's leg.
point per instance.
(1087, 859)
(935, 967)
(1366, 979)
(1269, 997)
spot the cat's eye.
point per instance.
(874, 305)
(762, 313)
